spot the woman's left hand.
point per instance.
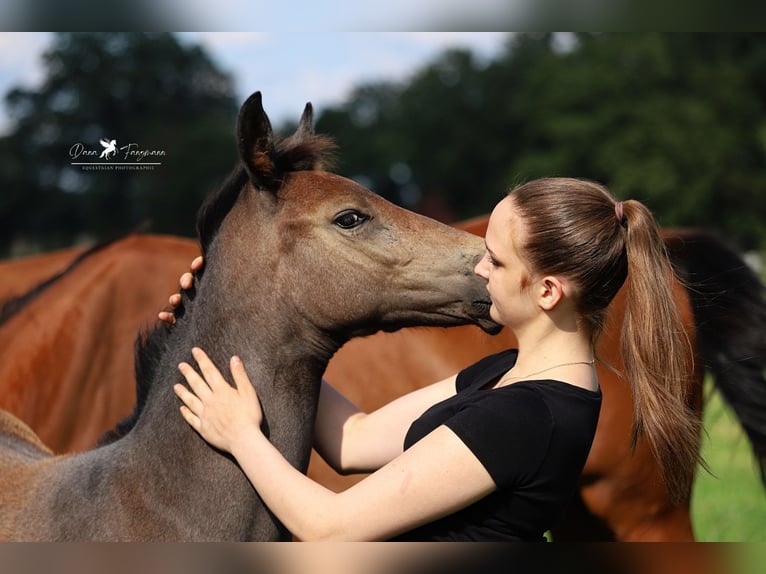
(221, 414)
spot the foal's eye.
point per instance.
(350, 218)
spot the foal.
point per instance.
(298, 261)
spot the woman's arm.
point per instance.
(350, 440)
(435, 477)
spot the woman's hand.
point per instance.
(186, 281)
(222, 415)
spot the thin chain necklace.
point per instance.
(507, 378)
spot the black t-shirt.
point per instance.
(533, 437)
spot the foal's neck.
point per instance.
(286, 370)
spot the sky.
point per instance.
(289, 68)
(348, 15)
(285, 15)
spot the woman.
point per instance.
(495, 451)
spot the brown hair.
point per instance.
(574, 228)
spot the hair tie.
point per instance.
(620, 216)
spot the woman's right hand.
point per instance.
(186, 281)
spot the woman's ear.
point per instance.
(552, 290)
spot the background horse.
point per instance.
(67, 340)
(276, 220)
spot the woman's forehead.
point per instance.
(502, 222)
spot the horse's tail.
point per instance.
(729, 304)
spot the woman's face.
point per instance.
(506, 273)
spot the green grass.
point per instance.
(730, 504)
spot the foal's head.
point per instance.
(292, 242)
(297, 256)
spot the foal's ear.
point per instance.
(255, 139)
(306, 125)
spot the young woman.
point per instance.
(495, 451)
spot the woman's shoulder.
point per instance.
(486, 369)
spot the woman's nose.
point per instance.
(482, 267)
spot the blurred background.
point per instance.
(441, 123)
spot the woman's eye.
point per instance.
(350, 219)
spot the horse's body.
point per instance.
(17, 276)
(298, 261)
(67, 349)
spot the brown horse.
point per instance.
(17, 276)
(67, 340)
(299, 260)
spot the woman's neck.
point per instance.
(561, 353)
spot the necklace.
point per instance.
(507, 378)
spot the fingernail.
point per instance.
(236, 360)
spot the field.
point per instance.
(730, 504)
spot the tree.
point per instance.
(366, 129)
(144, 89)
(674, 120)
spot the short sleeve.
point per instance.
(486, 369)
(509, 430)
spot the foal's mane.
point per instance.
(303, 151)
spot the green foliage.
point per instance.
(674, 120)
(145, 89)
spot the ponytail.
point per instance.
(655, 350)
